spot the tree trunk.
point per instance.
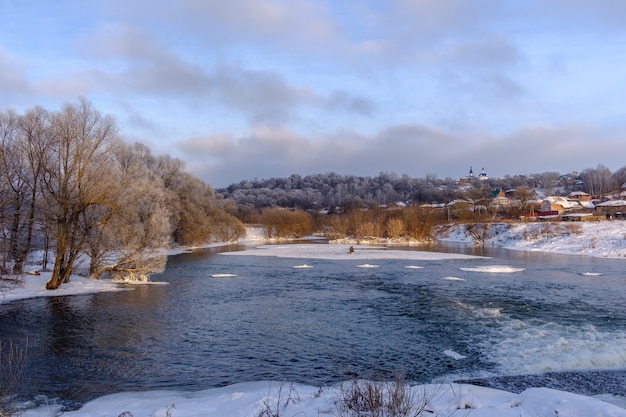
(55, 281)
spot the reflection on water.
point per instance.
(318, 325)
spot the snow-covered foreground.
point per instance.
(252, 399)
(276, 399)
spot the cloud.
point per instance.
(13, 82)
(269, 151)
(352, 103)
(599, 16)
(136, 63)
(216, 23)
(271, 87)
(415, 150)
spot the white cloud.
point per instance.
(415, 150)
(274, 87)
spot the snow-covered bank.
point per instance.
(32, 286)
(276, 399)
(605, 239)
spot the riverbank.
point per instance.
(604, 239)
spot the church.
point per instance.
(470, 177)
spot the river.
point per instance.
(536, 319)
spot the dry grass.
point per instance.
(380, 398)
(277, 400)
(12, 379)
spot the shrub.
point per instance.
(379, 398)
(395, 228)
(12, 364)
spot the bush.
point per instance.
(12, 364)
(395, 228)
(281, 223)
(379, 398)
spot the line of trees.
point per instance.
(331, 190)
(70, 187)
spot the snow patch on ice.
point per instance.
(493, 269)
(341, 252)
(454, 355)
(368, 266)
(453, 279)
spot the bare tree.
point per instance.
(525, 196)
(11, 191)
(129, 239)
(549, 181)
(598, 181)
(77, 198)
(33, 140)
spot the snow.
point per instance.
(453, 354)
(339, 252)
(606, 239)
(493, 269)
(303, 266)
(603, 239)
(32, 286)
(251, 399)
(368, 266)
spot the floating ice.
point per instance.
(413, 267)
(341, 252)
(454, 355)
(223, 275)
(304, 266)
(367, 266)
(494, 269)
(489, 312)
(592, 274)
(453, 279)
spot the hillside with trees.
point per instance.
(332, 190)
(72, 189)
(389, 206)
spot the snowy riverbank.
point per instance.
(606, 239)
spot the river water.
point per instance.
(536, 319)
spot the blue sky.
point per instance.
(267, 88)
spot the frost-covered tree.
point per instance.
(77, 195)
(69, 184)
(129, 241)
(598, 181)
(33, 141)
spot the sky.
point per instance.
(250, 89)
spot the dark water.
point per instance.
(550, 323)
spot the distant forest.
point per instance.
(332, 190)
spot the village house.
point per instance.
(579, 196)
(558, 204)
(611, 209)
(500, 199)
